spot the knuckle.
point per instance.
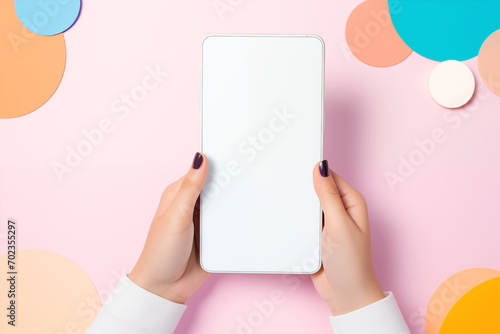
(167, 191)
(185, 210)
(179, 212)
(189, 185)
(357, 199)
(170, 190)
(332, 191)
(361, 199)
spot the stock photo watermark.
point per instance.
(439, 304)
(423, 149)
(262, 310)
(12, 238)
(94, 137)
(222, 7)
(85, 312)
(48, 10)
(381, 19)
(372, 29)
(249, 150)
(17, 39)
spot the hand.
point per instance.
(169, 265)
(346, 280)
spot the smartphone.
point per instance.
(262, 132)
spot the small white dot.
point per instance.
(452, 84)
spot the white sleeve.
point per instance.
(380, 317)
(131, 309)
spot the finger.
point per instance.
(180, 212)
(354, 202)
(328, 194)
(167, 196)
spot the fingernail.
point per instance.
(198, 160)
(323, 168)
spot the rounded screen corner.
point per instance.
(207, 37)
(319, 39)
(204, 267)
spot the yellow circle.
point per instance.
(450, 291)
(478, 311)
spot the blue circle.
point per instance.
(47, 17)
(445, 29)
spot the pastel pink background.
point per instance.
(442, 219)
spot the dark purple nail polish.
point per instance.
(198, 160)
(323, 168)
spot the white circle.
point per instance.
(452, 84)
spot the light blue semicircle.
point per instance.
(445, 29)
(47, 17)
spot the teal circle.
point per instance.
(47, 17)
(445, 29)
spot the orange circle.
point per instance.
(31, 66)
(450, 291)
(489, 62)
(51, 294)
(371, 36)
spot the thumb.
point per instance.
(328, 194)
(182, 206)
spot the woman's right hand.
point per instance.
(346, 280)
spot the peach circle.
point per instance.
(371, 36)
(478, 311)
(450, 291)
(52, 294)
(489, 62)
(31, 66)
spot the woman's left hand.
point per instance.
(169, 265)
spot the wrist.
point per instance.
(353, 301)
(159, 289)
